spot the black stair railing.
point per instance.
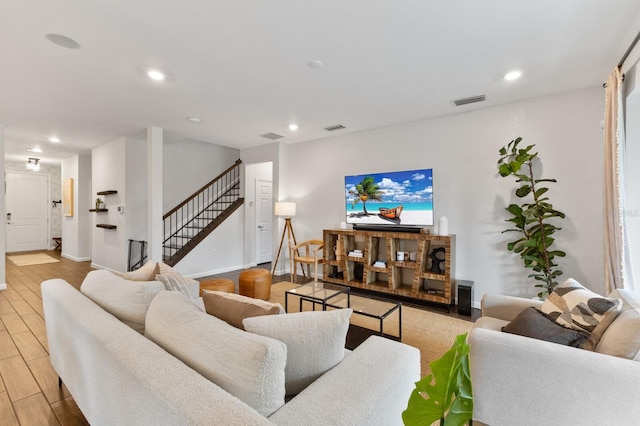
(196, 217)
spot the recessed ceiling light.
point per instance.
(63, 41)
(54, 139)
(34, 150)
(293, 127)
(193, 119)
(155, 75)
(513, 75)
(315, 63)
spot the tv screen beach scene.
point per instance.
(401, 198)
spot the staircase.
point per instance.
(186, 225)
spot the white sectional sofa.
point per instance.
(525, 381)
(118, 376)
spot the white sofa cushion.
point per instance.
(315, 342)
(124, 299)
(622, 338)
(246, 365)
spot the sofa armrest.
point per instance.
(370, 386)
(505, 307)
(523, 381)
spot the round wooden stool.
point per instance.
(218, 284)
(255, 283)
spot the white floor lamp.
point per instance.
(286, 210)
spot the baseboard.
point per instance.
(215, 271)
(96, 266)
(3, 287)
(75, 259)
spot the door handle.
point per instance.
(260, 226)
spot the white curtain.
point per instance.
(616, 273)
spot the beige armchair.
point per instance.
(306, 253)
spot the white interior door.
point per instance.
(27, 207)
(264, 217)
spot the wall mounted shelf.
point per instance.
(106, 226)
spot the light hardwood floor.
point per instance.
(29, 392)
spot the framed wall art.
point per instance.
(67, 197)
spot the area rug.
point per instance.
(32, 259)
(430, 332)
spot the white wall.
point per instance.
(135, 202)
(76, 230)
(189, 165)
(463, 151)
(109, 246)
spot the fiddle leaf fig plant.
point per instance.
(445, 394)
(532, 219)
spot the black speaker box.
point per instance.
(465, 296)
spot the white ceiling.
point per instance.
(241, 66)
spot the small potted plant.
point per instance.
(99, 203)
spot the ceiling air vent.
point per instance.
(334, 127)
(271, 136)
(469, 100)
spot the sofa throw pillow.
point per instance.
(577, 307)
(233, 308)
(146, 273)
(126, 300)
(315, 342)
(174, 282)
(622, 338)
(248, 366)
(533, 323)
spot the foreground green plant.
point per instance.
(446, 393)
(531, 218)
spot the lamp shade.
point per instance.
(285, 209)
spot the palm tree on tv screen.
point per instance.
(365, 190)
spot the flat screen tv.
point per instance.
(393, 199)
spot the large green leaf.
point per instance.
(446, 393)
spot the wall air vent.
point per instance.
(469, 100)
(271, 136)
(334, 127)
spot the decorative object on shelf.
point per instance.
(99, 203)
(446, 394)
(356, 253)
(286, 210)
(379, 264)
(437, 257)
(339, 249)
(443, 226)
(400, 256)
(533, 219)
(67, 197)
